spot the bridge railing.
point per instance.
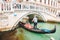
(11, 7)
(20, 6)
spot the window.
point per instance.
(1, 6)
(51, 3)
(45, 1)
(27, 0)
(6, 0)
(54, 4)
(48, 2)
(40, 0)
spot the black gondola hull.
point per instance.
(37, 30)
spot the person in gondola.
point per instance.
(35, 20)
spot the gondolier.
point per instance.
(35, 20)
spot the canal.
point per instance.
(22, 34)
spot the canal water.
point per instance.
(22, 34)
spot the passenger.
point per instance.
(35, 21)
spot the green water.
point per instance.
(23, 34)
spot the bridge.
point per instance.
(27, 10)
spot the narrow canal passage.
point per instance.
(22, 34)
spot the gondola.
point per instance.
(41, 31)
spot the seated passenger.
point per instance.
(27, 25)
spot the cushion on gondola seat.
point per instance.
(28, 26)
